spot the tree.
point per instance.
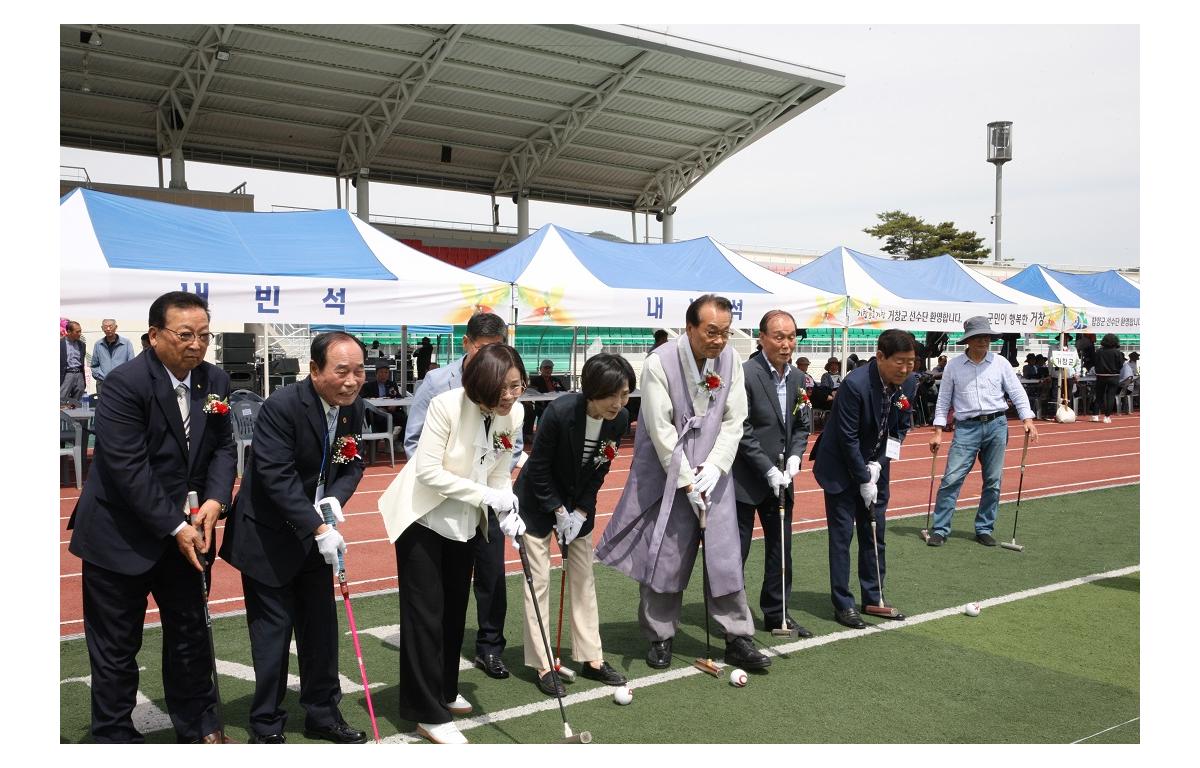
(908, 237)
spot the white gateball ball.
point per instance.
(972, 609)
(738, 679)
(623, 695)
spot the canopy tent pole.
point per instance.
(574, 348)
(846, 337)
(402, 363)
(266, 359)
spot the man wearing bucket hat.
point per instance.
(975, 385)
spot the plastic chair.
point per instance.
(370, 437)
(70, 435)
(238, 395)
(245, 411)
(1126, 394)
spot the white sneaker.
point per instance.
(442, 733)
(1107, 420)
(459, 706)
(1095, 418)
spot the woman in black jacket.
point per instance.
(573, 449)
(1108, 362)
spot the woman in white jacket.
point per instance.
(432, 511)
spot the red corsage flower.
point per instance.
(214, 404)
(345, 450)
(605, 453)
(711, 382)
(801, 401)
(902, 401)
(502, 441)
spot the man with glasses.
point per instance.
(72, 353)
(491, 599)
(693, 411)
(110, 352)
(155, 441)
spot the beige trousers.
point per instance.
(585, 618)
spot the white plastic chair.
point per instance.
(70, 433)
(370, 437)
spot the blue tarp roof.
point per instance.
(144, 234)
(691, 265)
(936, 279)
(1103, 289)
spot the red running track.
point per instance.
(1068, 458)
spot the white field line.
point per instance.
(1106, 730)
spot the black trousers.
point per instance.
(491, 599)
(845, 512)
(308, 607)
(1106, 395)
(435, 576)
(770, 597)
(114, 610)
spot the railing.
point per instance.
(240, 189)
(80, 174)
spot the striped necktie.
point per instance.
(185, 409)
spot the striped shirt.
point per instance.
(975, 389)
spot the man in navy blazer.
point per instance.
(868, 420)
(130, 526)
(777, 422)
(279, 541)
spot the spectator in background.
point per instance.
(424, 355)
(809, 382)
(383, 386)
(660, 338)
(940, 368)
(145, 342)
(1085, 345)
(1133, 364)
(1008, 347)
(823, 393)
(110, 352)
(1108, 372)
(72, 353)
(852, 362)
(1030, 369)
(545, 382)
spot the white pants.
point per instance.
(585, 619)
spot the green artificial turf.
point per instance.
(1052, 668)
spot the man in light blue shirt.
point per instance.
(975, 385)
(491, 600)
(110, 352)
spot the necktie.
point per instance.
(330, 424)
(185, 409)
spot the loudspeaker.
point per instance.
(236, 340)
(285, 366)
(236, 355)
(241, 376)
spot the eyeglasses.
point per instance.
(515, 389)
(712, 335)
(187, 337)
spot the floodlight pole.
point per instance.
(999, 153)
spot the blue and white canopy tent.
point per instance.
(564, 278)
(120, 253)
(1102, 302)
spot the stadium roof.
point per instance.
(612, 116)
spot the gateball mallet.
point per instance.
(929, 506)
(566, 673)
(783, 630)
(1013, 545)
(194, 511)
(569, 737)
(327, 513)
(706, 664)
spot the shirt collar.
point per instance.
(326, 407)
(186, 380)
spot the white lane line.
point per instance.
(1106, 730)
(513, 713)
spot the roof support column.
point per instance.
(668, 222)
(177, 176)
(364, 196)
(522, 215)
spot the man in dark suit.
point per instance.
(868, 421)
(156, 439)
(777, 422)
(72, 354)
(304, 451)
(545, 383)
(383, 386)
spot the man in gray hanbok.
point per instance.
(693, 410)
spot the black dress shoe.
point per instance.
(492, 666)
(769, 624)
(985, 539)
(270, 738)
(606, 674)
(936, 540)
(849, 618)
(740, 652)
(551, 686)
(659, 655)
(338, 733)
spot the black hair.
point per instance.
(603, 375)
(771, 315)
(322, 342)
(1110, 341)
(661, 333)
(484, 373)
(894, 340)
(693, 310)
(484, 325)
(174, 300)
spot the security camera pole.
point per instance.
(999, 153)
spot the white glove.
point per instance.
(869, 492)
(330, 544)
(874, 467)
(335, 507)
(499, 500)
(777, 480)
(569, 525)
(706, 479)
(511, 525)
(697, 501)
(793, 467)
